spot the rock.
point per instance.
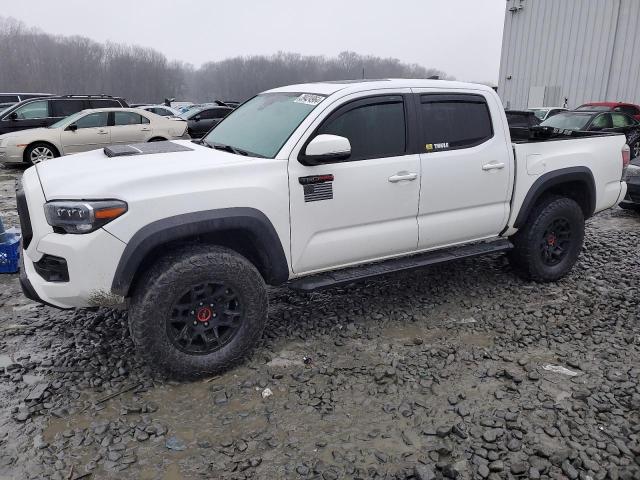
(266, 393)
(424, 472)
(174, 443)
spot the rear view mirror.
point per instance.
(13, 116)
(326, 148)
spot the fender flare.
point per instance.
(249, 221)
(551, 179)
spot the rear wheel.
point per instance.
(548, 245)
(199, 312)
(39, 152)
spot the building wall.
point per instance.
(582, 50)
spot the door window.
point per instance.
(454, 121)
(601, 121)
(374, 129)
(93, 120)
(33, 110)
(621, 120)
(128, 118)
(64, 108)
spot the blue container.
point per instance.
(9, 250)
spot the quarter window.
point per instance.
(620, 120)
(454, 121)
(375, 130)
(93, 120)
(64, 108)
(33, 110)
(128, 118)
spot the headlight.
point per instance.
(632, 171)
(82, 217)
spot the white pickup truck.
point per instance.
(311, 186)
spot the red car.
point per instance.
(628, 108)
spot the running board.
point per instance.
(370, 270)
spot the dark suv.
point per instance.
(42, 112)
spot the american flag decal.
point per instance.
(318, 191)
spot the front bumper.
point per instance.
(91, 258)
(11, 154)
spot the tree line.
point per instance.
(34, 61)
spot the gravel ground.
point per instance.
(461, 371)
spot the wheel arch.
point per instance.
(35, 142)
(157, 138)
(576, 183)
(244, 230)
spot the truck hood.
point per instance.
(94, 175)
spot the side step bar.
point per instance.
(370, 270)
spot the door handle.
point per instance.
(493, 166)
(403, 177)
(146, 130)
(102, 132)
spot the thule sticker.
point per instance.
(309, 99)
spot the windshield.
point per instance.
(594, 108)
(67, 120)
(262, 125)
(539, 112)
(568, 121)
(191, 111)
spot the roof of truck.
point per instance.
(328, 88)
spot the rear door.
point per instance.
(362, 208)
(466, 168)
(63, 107)
(204, 120)
(92, 133)
(130, 127)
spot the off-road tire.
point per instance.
(154, 297)
(526, 256)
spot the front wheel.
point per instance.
(198, 312)
(547, 247)
(39, 152)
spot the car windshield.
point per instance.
(594, 108)
(192, 111)
(539, 112)
(261, 126)
(67, 120)
(568, 121)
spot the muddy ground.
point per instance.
(461, 371)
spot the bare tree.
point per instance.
(31, 60)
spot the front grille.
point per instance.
(25, 221)
(52, 269)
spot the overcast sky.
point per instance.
(461, 37)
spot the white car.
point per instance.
(88, 130)
(310, 186)
(163, 111)
(542, 113)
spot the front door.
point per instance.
(364, 207)
(31, 115)
(92, 132)
(466, 168)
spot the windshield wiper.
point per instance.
(230, 149)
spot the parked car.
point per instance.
(163, 111)
(88, 130)
(631, 200)
(546, 112)
(9, 99)
(520, 123)
(628, 108)
(232, 103)
(316, 185)
(597, 121)
(202, 119)
(42, 112)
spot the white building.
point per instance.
(579, 50)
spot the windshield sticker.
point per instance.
(309, 99)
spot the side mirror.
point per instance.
(326, 148)
(73, 127)
(13, 116)
(197, 118)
